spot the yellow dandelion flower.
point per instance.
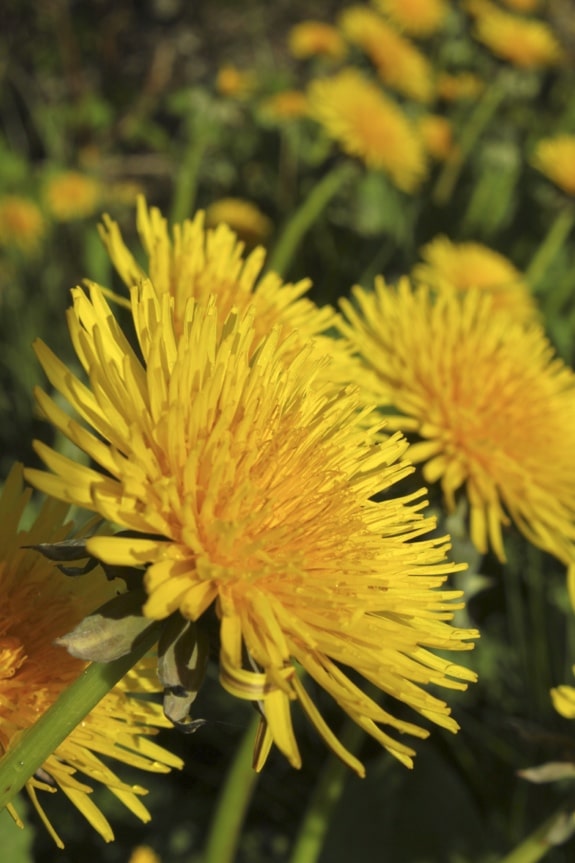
(527, 43)
(555, 157)
(367, 124)
(144, 854)
(253, 487)
(493, 406)
(416, 17)
(437, 134)
(21, 223)
(191, 261)
(71, 195)
(231, 81)
(465, 266)
(399, 63)
(244, 218)
(286, 105)
(315, 38)
(457, 87)
(40, 604)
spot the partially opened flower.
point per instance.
(555, 158)
(524, 42)
(469, 265)
(40, 604)
(401, 66)
(21, 223)
(249, 487)
(316, 38)
(72, 195)
(416, 17)
(367, 124)
(492, 406)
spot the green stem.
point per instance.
(187, 178)
(326, 796)
(536, 846)
(225, 829)
(477, 122)
(40, 740)
(306, 215)
(554, 240)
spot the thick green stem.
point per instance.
(39, 741)
(225, 829)
(305, 216)
(547, 251)
(536, 846)
(477, 122)
(326, 796)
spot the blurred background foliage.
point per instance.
(100, 101)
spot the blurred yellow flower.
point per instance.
(399, 63)
(231, 81)
(285, 105)
(244, 218)
(315, 38)
(39, 604)
(21, 223)
(71, 195)
(251, 486)
(460, 86)
(144, 854)
(469, 265)
(416, 17)
(555, 157)
(524, 42)
(492, 405)
(366, 124)
(437, 134)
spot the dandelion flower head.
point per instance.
(234, 82)
(21, 223)
(244, 218)
(492, 406)
(437, 134)
(40, 604)
(418, 18)
(72, 195)
(401, 66)
(469, 265)
(524, 42)
(249, 487)
(555, 158)
(316, 39)
(367, 124)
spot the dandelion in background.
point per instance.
(524, 42)
(437, 135)
(71, 195)
(419, 18)
(285, 105)
(249, 485)
(234, 82)
(21, 224)
(492, 406)
(555, 158)
(400, 65)
(458, 87)
(40, 604)
(469, 265)
(244, 218)
(367, 124)
(316, 39)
